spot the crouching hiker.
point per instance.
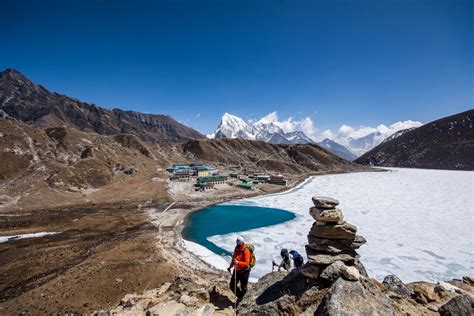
(285, 262)
(287, 257)
(241, 264)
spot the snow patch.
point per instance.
(24, 236)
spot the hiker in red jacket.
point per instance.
(241, 264)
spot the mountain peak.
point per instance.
(11, 73)
(265, 129)
(268, 119)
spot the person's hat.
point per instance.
(240, 238)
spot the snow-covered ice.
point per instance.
(23, 236)
(208, 256)
(418, 223)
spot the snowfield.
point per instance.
(418, 223)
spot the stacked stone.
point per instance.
(332, 243)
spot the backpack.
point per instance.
(251, 249)
(297, 258)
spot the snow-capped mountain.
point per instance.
(363, 144)
(337, 149)
(232, 126)
(397, 134)
(349, 143)
(266, 130)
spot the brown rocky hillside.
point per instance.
(298, 158)
(57, 166)
(26, 101)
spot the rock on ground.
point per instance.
(462, 305)
(354, 298)
(393, 283)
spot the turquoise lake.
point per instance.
(224, 219)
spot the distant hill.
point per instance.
(447, 143)
(26, 101)
(283, 158)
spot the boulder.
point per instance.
(377, 283)
(316, 255)
(350, 273)
(339, 231)
(360, 267)
(358, 241)
(424, 292)
(329, 245)
(332, 272)
(335, 245)
(274, 294)
(311, 271)
(468, 280)
(324, 260)
(129, 170)
(129, 303)
(462, 305)
(324, 202)
(354, 298)
(326, 215)
(393, 283)
(446, 287)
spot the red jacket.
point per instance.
(242, 255)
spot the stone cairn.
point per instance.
(332, 243)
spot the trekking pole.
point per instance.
(235, 291)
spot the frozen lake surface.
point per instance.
(418, 223)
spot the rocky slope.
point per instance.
(300, 158)
(66, 166)
(63, 166)
(332, 282)
(447, 143)
(26, 101)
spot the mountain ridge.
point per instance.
(31, 103)
(265, 130)
(446, 143)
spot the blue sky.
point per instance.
(338, 62)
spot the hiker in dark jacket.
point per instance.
(241, 264)
(285, 262)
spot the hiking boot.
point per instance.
(238, 301)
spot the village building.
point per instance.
(182, 173)
(196, 164)
(203, 172)
(263, 178)
(277, 179)
(212, 179)
(246, 185)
